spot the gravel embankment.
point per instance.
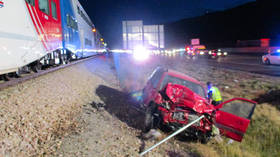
(33, 115)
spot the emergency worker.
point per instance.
(214, 94)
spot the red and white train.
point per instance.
(34, 33)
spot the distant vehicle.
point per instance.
(216, 53)
(194, 52)
(201, 53)
(190, 52)
(173, 99)
(271, 58)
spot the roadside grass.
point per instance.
(204, 150)
(262, 137)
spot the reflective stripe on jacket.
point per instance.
(216, 95)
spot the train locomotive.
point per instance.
(35, 33)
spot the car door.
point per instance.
(233, 117)
(276, 57)
(151, 89)
(271, 58)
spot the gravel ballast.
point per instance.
(35, 114)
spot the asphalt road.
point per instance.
(245, 63)
(130, 73)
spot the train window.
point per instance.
(72, 23)
(76, 26)
(88, 42)
(31, 2)
(54, 11)
(68, 20)
(44, 6)
(79, 10)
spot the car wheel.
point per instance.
(149, 118)
(204, 138)
(267, 62)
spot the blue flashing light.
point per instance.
(278, 50)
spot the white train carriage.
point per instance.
(43, 32)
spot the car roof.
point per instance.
(183, 76)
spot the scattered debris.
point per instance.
(152, 135)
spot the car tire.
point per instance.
(149, 118)
(204, 138)
(267, 62)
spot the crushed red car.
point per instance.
(173, 99)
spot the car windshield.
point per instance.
(275, 54)
(196, 88)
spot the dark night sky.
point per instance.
(108, 14)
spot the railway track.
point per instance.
(15, 81)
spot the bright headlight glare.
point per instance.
(140, 53)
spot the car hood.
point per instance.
(183, 96)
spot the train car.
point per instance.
(34, 33)
(88, 41)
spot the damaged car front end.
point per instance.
(173, 100)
